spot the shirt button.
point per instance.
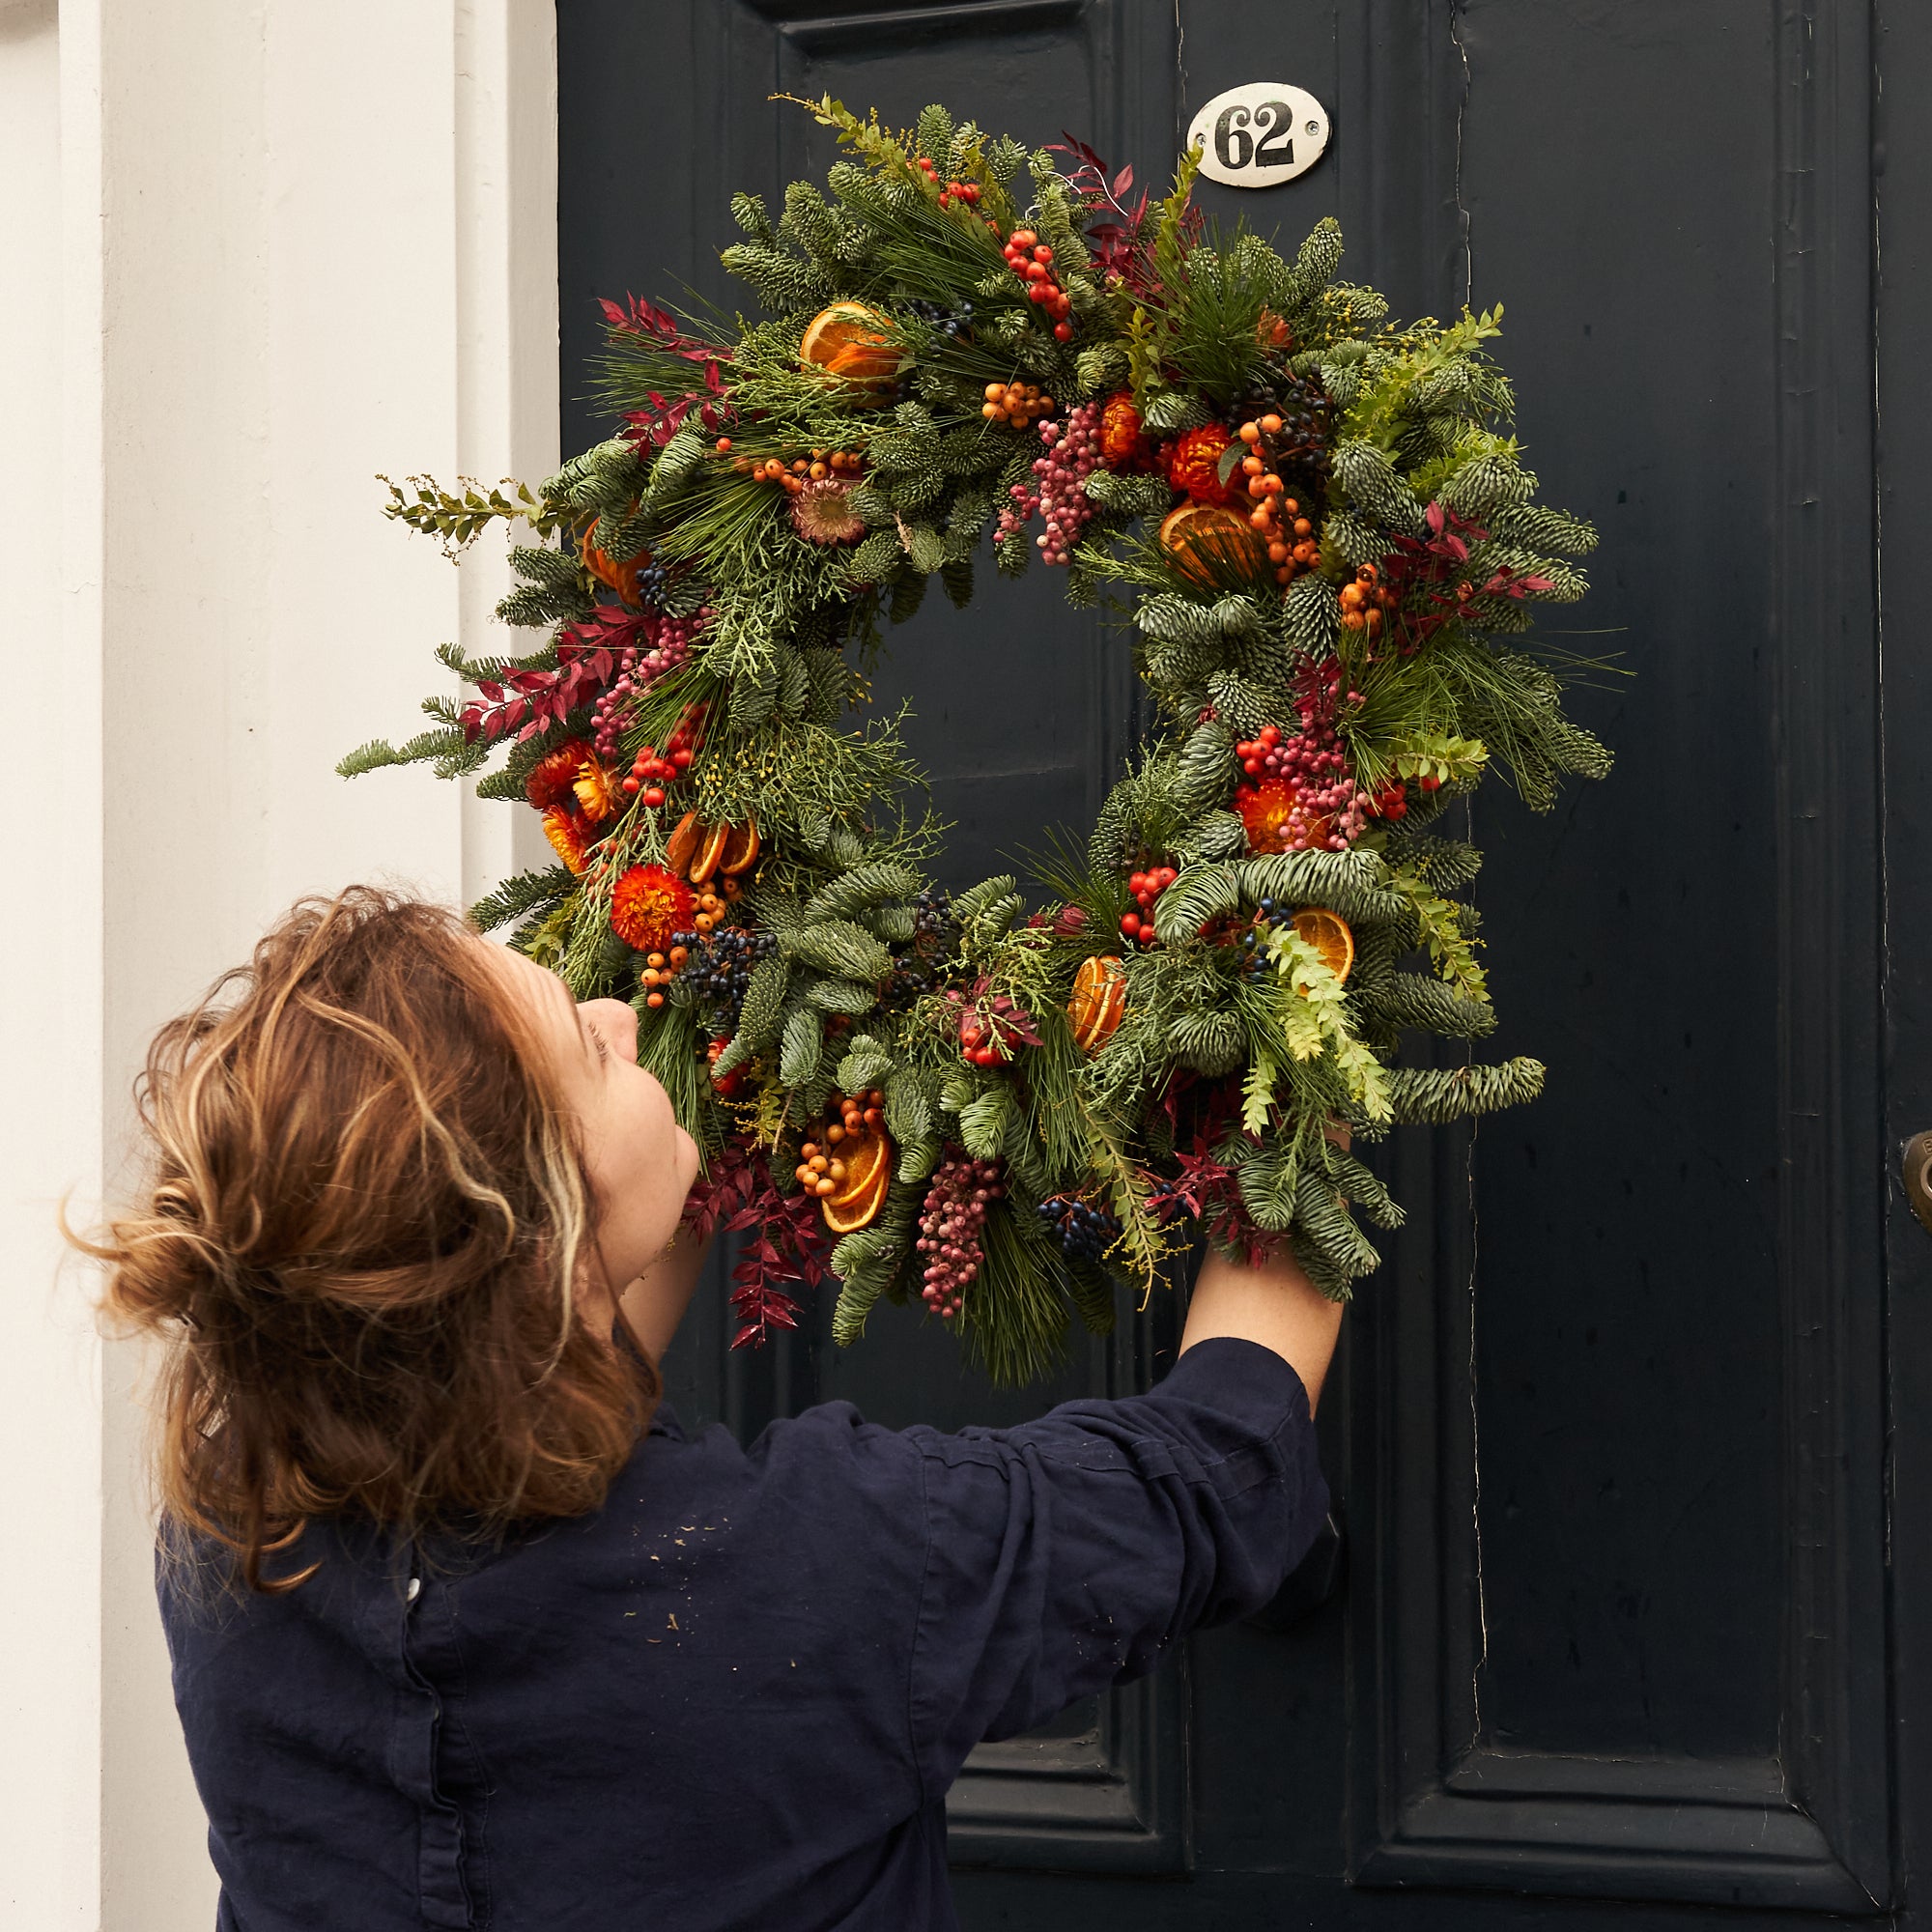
(415, 1588)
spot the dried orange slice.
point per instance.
(681, 848)
(1099, 999)
(864, 1164)
(846, 1216)
(741, 849)
(1209, 542)
(852, 341)
(710, 849)
(1329, 935)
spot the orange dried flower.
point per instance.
(566, 834)
(647, 905)
(822, 513)
(1122, 447)
(1195, 467)
(1276, 818)
(595, 792)
(553, 776)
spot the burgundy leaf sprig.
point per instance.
(1208, 1190)
(666, 416)
(1433, 566)
(1120, 242)
(526, 702)
(791, 1247)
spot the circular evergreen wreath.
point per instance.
(1326, 527)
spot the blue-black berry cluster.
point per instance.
(1085, 1232)
(653, 581)
(719, 971)
(1305, 412)
(1255, 961)
(951, 323)
(935, 935)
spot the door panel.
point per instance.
(1636, 1356)
(1610, 1431)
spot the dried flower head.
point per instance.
(822, 512)
(554, 775)
(647, 905)
(568, 837)
(595, 791)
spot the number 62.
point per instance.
(1235, 148)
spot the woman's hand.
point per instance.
(1274, 1304)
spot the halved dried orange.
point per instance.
(741, 849)
(613, 574)
(681, 848)
(846, 1216)
(1099, 999)
(1329, 935)
(864, 1161)
(850, 340)
(710, 849)
(1209, 542)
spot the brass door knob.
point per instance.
(1918, 1177)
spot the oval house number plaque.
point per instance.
(1259, 134)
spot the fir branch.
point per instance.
(519, 897)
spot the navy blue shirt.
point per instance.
(735, 1695)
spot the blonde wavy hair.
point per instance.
(361, 1244)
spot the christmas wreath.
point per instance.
(989, 1106)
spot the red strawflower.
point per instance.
(555, 773)
(1195, 467)
(1276, 819)
(647, 905)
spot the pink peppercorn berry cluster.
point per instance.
(1031, 261)
(1145, 887)
(1330, 814)
(1072, 455)
(949, 1228)
(638, 667)
(1015, 517)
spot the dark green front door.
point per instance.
(1627, 1437)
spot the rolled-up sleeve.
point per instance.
(1068, 1554)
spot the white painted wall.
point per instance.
(253, 251)
(50, 1438)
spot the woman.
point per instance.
(466, 1631)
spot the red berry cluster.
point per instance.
(989, 1035)
(1145, 887)
(653, 770)
(1031, 261)
(967, 192)
(1311, 761)
(950, 1224)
